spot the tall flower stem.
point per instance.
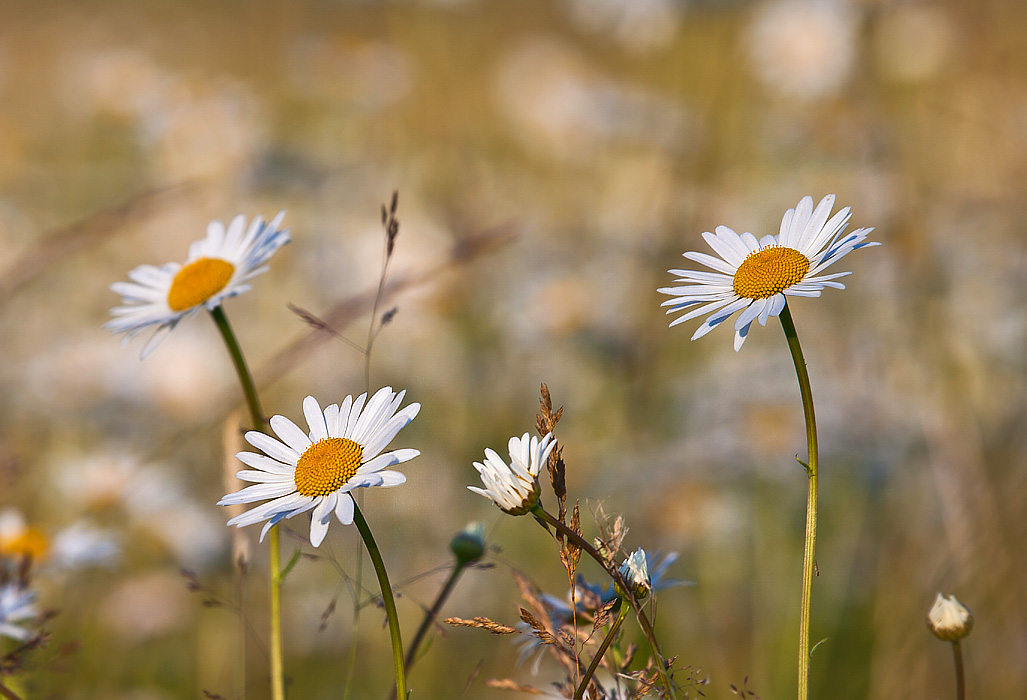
(957, 653)
(387, 598)
(600, 652)
(809, 547)
(647, 629)
(257, 418)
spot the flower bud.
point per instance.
(635, 571)
(949, 619)
(468, 545)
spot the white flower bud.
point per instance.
(949, 619)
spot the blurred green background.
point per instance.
(599, 139)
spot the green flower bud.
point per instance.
(468, 545)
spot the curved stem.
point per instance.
(809, 546)
(643, 621)
(430, 615)
(960, 683)
(275, 574)
(600, 652)
(387, 598)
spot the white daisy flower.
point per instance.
(754, 276)
(514, 487)
(16, 605)
(319, 469)
(218, 267)
(635, 571)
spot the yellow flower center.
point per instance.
(768, 271)
(199, 281)
(29, 543)
(327, 465)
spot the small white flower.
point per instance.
(82, 545)
(317, 470)
(218, 267)
(514, 487)
(16, 605)
(755, 275)
(949, 619)
(635, 571)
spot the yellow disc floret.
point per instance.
(768, 271)
(327, 465)
(30, 543)
(199, 281)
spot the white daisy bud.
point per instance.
(949, 619)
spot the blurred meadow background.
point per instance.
(553, 160)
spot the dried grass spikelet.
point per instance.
(482, 623)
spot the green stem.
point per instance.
(430, 615)
(957, 652)
(387, 598)
(8, 693)
(600, 652)
(614, 573)
(245, 378)
(275, 574)
(809, 546)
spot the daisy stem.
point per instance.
(245, 378)
(809, 547)
(957, 653)
(387, 599)
(275, 574)
(600, 652)
(614, 573)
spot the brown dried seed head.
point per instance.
(483, 623)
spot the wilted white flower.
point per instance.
(514, 487)
(635, 571)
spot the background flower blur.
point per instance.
(605, 138)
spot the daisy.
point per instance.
(514, 487)
(754, 276)
(218, 267)
(319, 469)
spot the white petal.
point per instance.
(344, 509)
(290, 434)
(264, 463)
(740, 336)
(273, 448)
(750, 312)
(315, 419)
(709, 261)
